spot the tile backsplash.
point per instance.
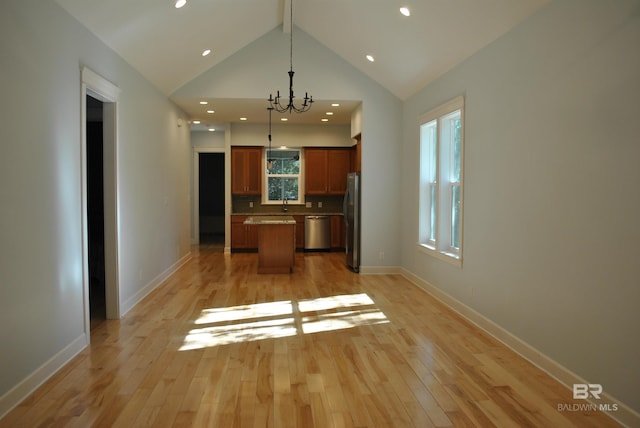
(319, 205)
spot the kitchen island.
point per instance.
(276, 242)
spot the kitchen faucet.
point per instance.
(284, 204)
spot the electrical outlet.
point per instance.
(251, 204)
(308, 205)
(381, 255)
(320, 204)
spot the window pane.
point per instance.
(283, 187)
(451, 144)
(284, 161)
(432, 214)
(283, 179)
(428, 140)
(455, 216)
(456, 125)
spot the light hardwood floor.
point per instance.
(219, 345)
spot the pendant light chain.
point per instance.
(291, 37)
(269, 160)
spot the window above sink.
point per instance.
(283, 172)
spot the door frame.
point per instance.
(195, 219)
(101, 89)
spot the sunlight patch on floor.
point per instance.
(236, 333)
(245, 312)
(333, 302)
(259, 321)
(342, 320)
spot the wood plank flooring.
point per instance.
(218, 345)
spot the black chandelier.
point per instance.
(269, 159)
(276, 103)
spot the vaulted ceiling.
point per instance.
(165, 44)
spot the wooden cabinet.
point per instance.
(337, 170)
(246, 170)
(243, 236)
(315, 171)
(326, 170)
(338, 231)
(299, 231)
(276, 248)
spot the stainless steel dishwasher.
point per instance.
(317, 232)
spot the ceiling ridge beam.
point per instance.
(286, 16)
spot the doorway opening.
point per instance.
(100, 235)
(95, 211)
(211, 210)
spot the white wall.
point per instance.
(204, 139)
(41, 294)
(291, 135)
(262, 66)
(551, 229)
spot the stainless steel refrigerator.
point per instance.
(352, 220)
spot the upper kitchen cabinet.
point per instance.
(246, 170)
(326, 170)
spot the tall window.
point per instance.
(283, 180)
(441, 180)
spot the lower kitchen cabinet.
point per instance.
(299, 231)
(338, 231)
(243, 236)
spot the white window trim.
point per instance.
(432, 250)
(265, 181)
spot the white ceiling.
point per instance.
(165, 44)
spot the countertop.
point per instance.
(288, 213)
(270, 219)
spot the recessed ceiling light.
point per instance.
(284, 119)
(405, 11)
(243, 118)
(212, 129)
(335, 105)
(211, 111)
(370, 58)
(180, 3)
(329, 113)
(324, 119)
(196, 122)
(204, 103)
(206, 52)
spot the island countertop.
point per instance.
(270, 219)
(284, 214)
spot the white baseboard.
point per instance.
(23, 389)
(624, 414)
(153, 284)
